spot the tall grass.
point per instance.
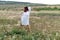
(16, 34)
(46, 8)
(9, 30)
(21, 34)
(8, 21)
(45, 14)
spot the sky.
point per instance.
(39, 1)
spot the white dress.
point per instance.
(25, 18)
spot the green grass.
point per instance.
(17, 7)
(37, 25)
(33, 36)
(46, 8)
(44, 26)
(45, 14)
(8, 21)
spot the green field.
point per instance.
(44, 23)
(45, 26)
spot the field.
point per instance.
(44, 23)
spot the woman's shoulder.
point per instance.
(27, 12)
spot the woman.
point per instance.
(25, 18)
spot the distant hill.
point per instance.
(20, 3)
